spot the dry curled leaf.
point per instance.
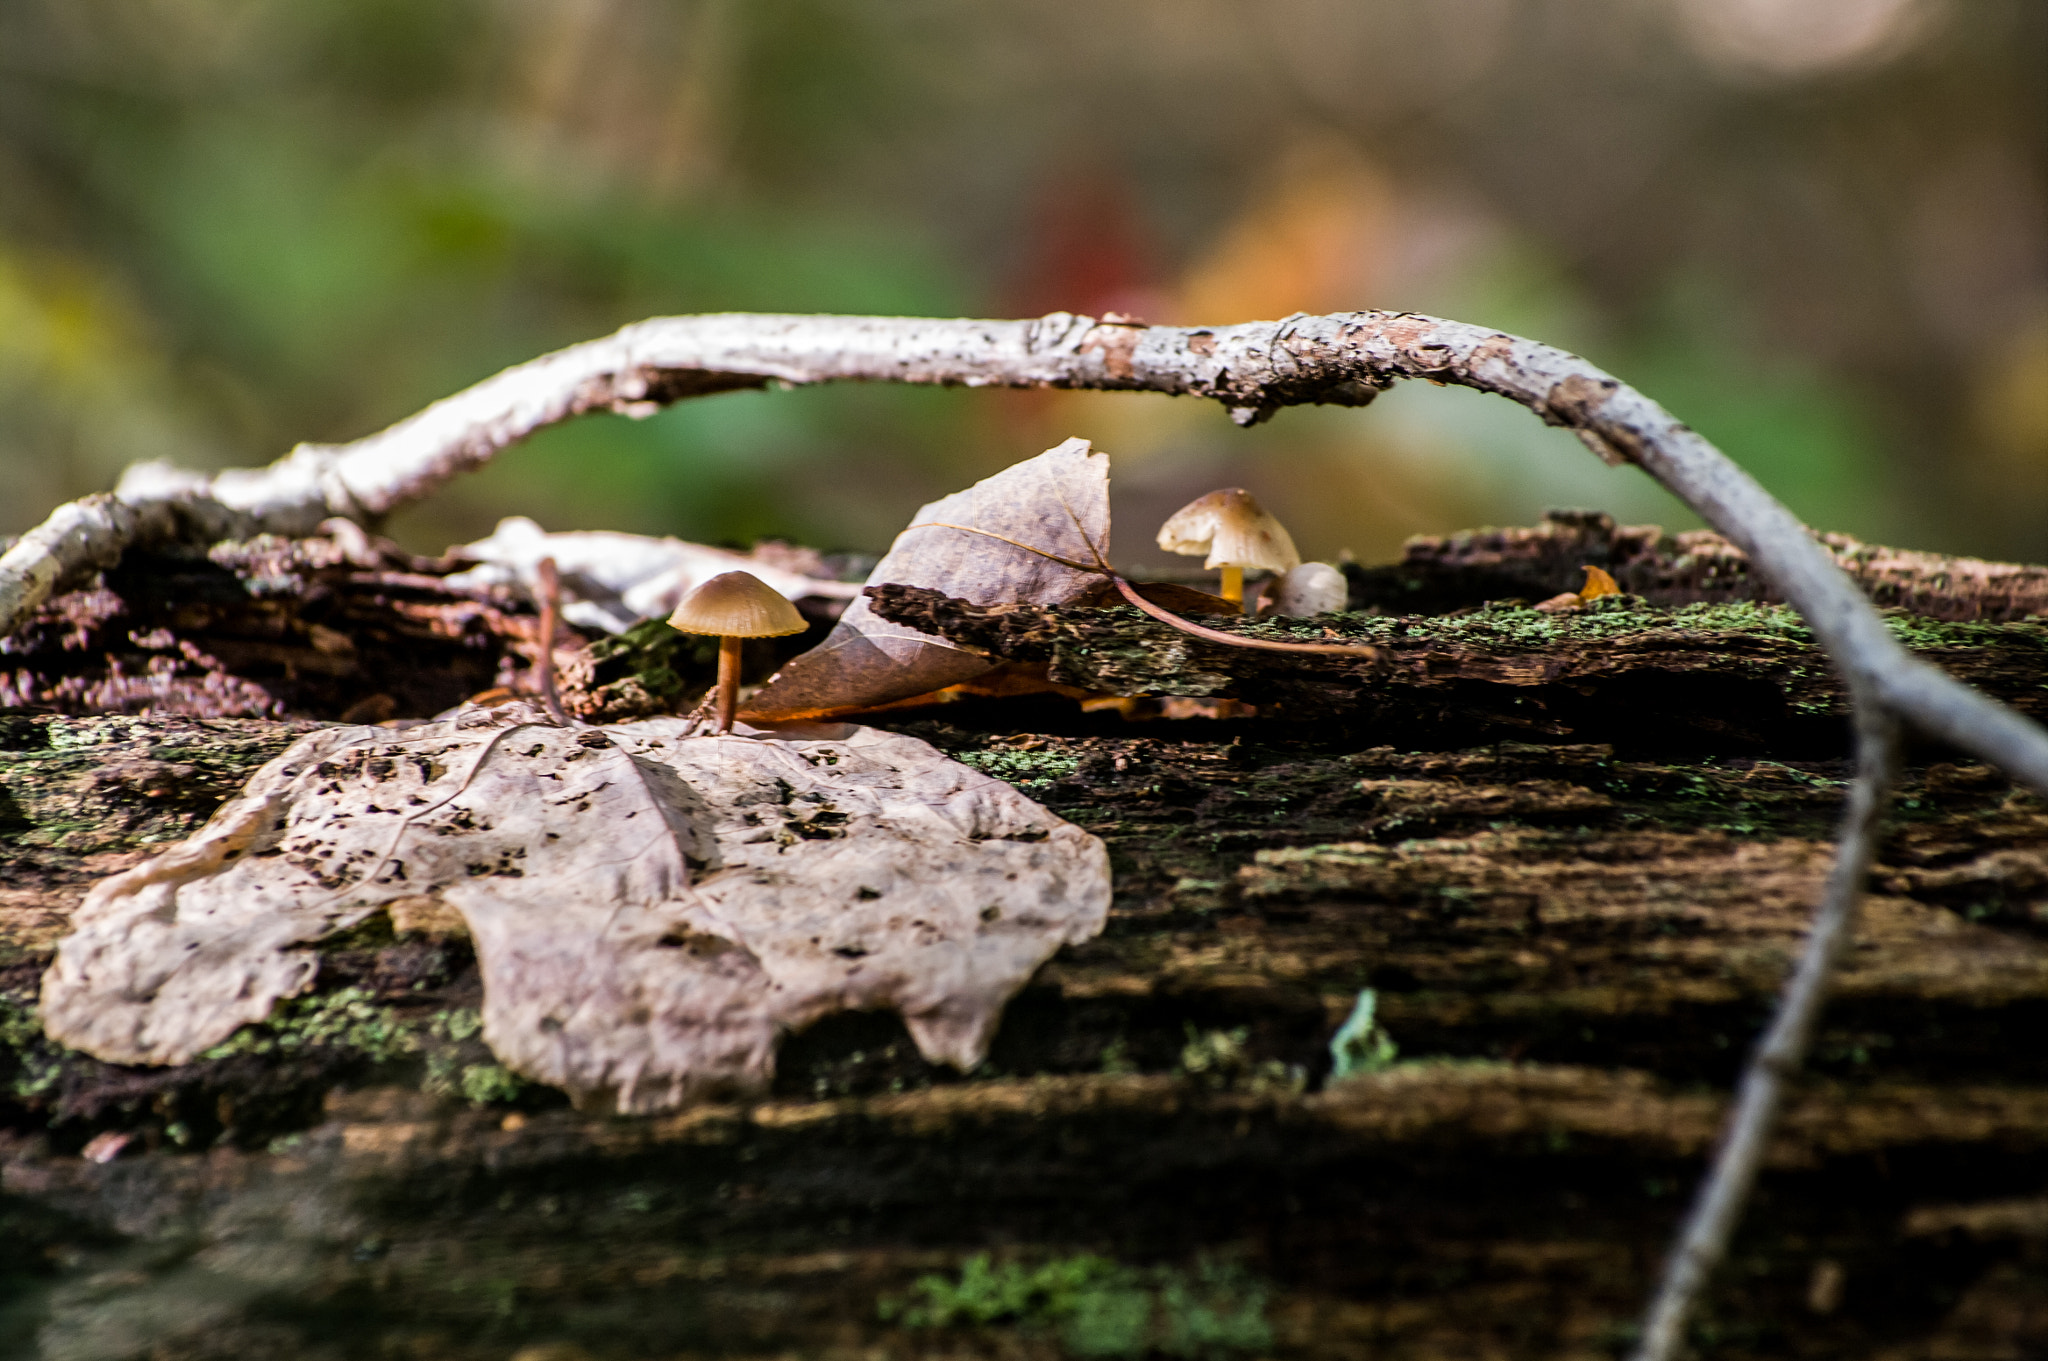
(651, 911)
(611, 581)
(1057, 503)
(1598, 583)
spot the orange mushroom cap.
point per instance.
(737, 605)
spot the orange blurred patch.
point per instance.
(1598, 583)
(1314, 241)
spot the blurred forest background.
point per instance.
(1816, 229)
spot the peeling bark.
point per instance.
(1742, 676)
(1441, 572)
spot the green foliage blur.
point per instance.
(1100, 1308)
(1817, 231)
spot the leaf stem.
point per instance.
(1165, 616)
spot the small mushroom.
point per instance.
(1236, 532)
(735, 606)
(1309, 588)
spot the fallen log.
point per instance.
(1569, 941)
(1747, 676)
(1440, 572)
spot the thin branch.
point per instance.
(1703, 1239)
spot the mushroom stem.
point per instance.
(728, 681)
(733, 607)
(549, 589)
(1233, 586)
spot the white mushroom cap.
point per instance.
(737, 605)
(1233, 529)
(1310, 589)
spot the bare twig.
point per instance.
(1703, 1239)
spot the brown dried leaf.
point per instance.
(612, 581)
(1598, 583)
(651, 910)
(1057, 502)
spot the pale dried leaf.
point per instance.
(651, 910)
(1057, 503)
(611, 581)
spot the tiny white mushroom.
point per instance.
(1236, 532)
(735, 606)
(1310, 588)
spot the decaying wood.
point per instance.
(1718, 1206)
(1744, 676)
(1570, 942)
(333, 626)
(338, 626)
(1439, 572)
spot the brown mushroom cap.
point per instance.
(737, 605)
(1233, 529)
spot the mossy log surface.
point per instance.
(1734, 675)
(1443, 572)
(1572, 939)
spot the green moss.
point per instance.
(348, 1020)
(37, 1063)
(1096, 1307)
(1761, 799)
(1219, 1058)
(651, 667)
(453, 1045)
(1116, 1057)
(1025, 769)
(1512, 624)
(486, 1083)
(457, 1023)
(112, 783)
(1922, 634)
